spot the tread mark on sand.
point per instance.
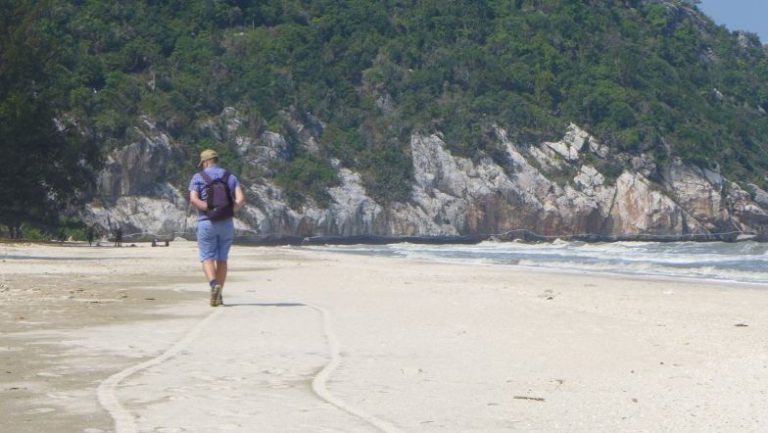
(126, 423)
(320, 380)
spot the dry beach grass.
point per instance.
(312, 341)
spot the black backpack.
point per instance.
(219, 197)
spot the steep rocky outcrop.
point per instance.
(552, 189)
(136, 168)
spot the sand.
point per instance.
(103, 339)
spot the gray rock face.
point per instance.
(553, 189)
(136, 168)
(132, 193)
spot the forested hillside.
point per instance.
(652, 76)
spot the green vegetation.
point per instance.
(47, 161)
(643, 76)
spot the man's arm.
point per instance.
(239, 197)
(194, 198)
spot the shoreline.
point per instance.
(447, 261)
(419, 345)
(520, 235)
(245, 238)
(546, 268)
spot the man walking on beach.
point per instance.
(216, 194)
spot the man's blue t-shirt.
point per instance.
(198, 184)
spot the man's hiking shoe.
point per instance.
(216, 295)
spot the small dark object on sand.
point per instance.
(522, 397)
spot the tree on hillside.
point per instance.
(46, 162)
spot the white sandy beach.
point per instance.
(122, 340)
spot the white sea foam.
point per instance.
(740, 262)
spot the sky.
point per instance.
(749, 15)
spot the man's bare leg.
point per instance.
(211, 270)
(221, 277)
(221, 271)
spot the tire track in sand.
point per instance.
(125, 422)
(321, 379)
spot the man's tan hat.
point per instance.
(206, 155)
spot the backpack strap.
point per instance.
(207, 179)
(225, 180)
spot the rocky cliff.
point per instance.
(572, 187)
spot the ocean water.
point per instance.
(745, 262)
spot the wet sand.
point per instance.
(102, 339)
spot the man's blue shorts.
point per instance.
(214, 239)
